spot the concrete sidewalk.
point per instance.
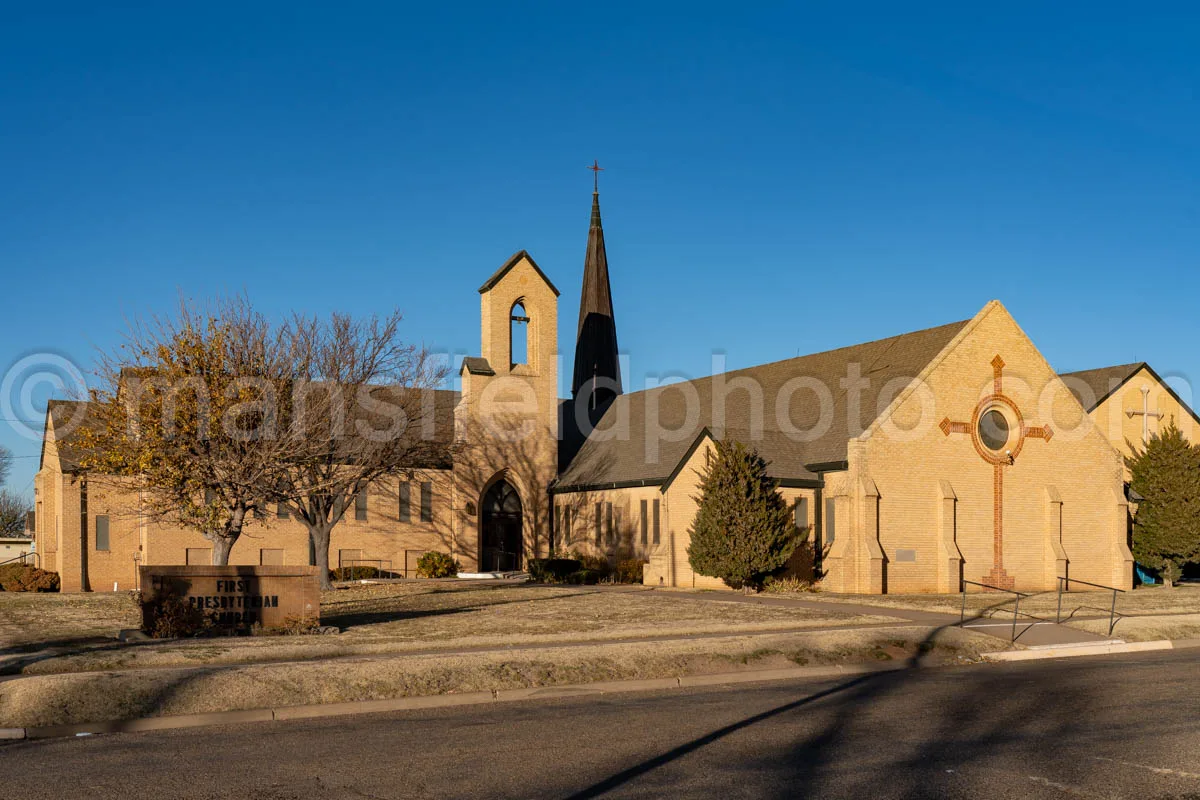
(1030, 631)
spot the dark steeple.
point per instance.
(597, 371)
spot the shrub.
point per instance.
(359, 574)
(743, 530)
(23, 578)
(553, 570)
(170, 617)
(584, 576)
(436, 565)
(1166, 529)
(789, 585)
(629, 570)
(593, 563)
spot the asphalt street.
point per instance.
(1102, 727)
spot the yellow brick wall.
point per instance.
(908, 458)
(1124, 430)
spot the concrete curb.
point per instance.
(431, 701)
(543, 693)
(1098, 649)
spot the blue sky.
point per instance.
(779, 180)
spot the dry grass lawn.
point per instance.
(29, 618)
(1146, 627)
(397, 618)
(89, 697)
(1183, 599)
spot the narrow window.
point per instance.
(102, 532)
(405, 510)
(656, 516)
(360, 505)
(608, 512)
(828, 521)
(645, 524)
(566, 525)
(599, 524)
(519, 335)
(800, 508)
(281, 511)
(427, 502)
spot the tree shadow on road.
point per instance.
(992, 709)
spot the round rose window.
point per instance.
(993, 430)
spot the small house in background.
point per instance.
(13, 547)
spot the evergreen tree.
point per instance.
(743, 531)
(1166, 531)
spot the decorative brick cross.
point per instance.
(999, 457)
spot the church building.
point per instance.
(911, 464)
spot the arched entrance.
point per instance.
(500, 540)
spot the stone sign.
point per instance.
(239, 597)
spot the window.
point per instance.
(800, 510)
(427, 502)
(566, 525)
(655, 529)
(608, 513)
(199, 556)
(830, 509)
(993, 429)
(360, 505)
(519, 335)
(281, 511)
(405, 502)
(645, 524)
(599, 524)
(102, 532)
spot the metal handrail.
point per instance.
(1016, 607)
(1064, 584)
(37, 557)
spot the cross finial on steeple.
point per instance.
(596, 170)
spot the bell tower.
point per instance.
(507, 416)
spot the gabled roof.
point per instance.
(512, 262)
(641, 457)
(1105, 381)
(477, 366)
(66, 417)
(1102, 381)
(69, 417)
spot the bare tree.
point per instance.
(13, 509)
(13, 505)
(187, 411)
(364, 406)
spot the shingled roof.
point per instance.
(1099, 382)
(632, 459)
(69, 417)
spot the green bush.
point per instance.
(743, 531)
(359, 574)
(584, 576)
(23, 578)
(593, 563)
(629, 570)
(553, 570)
(436, 565)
